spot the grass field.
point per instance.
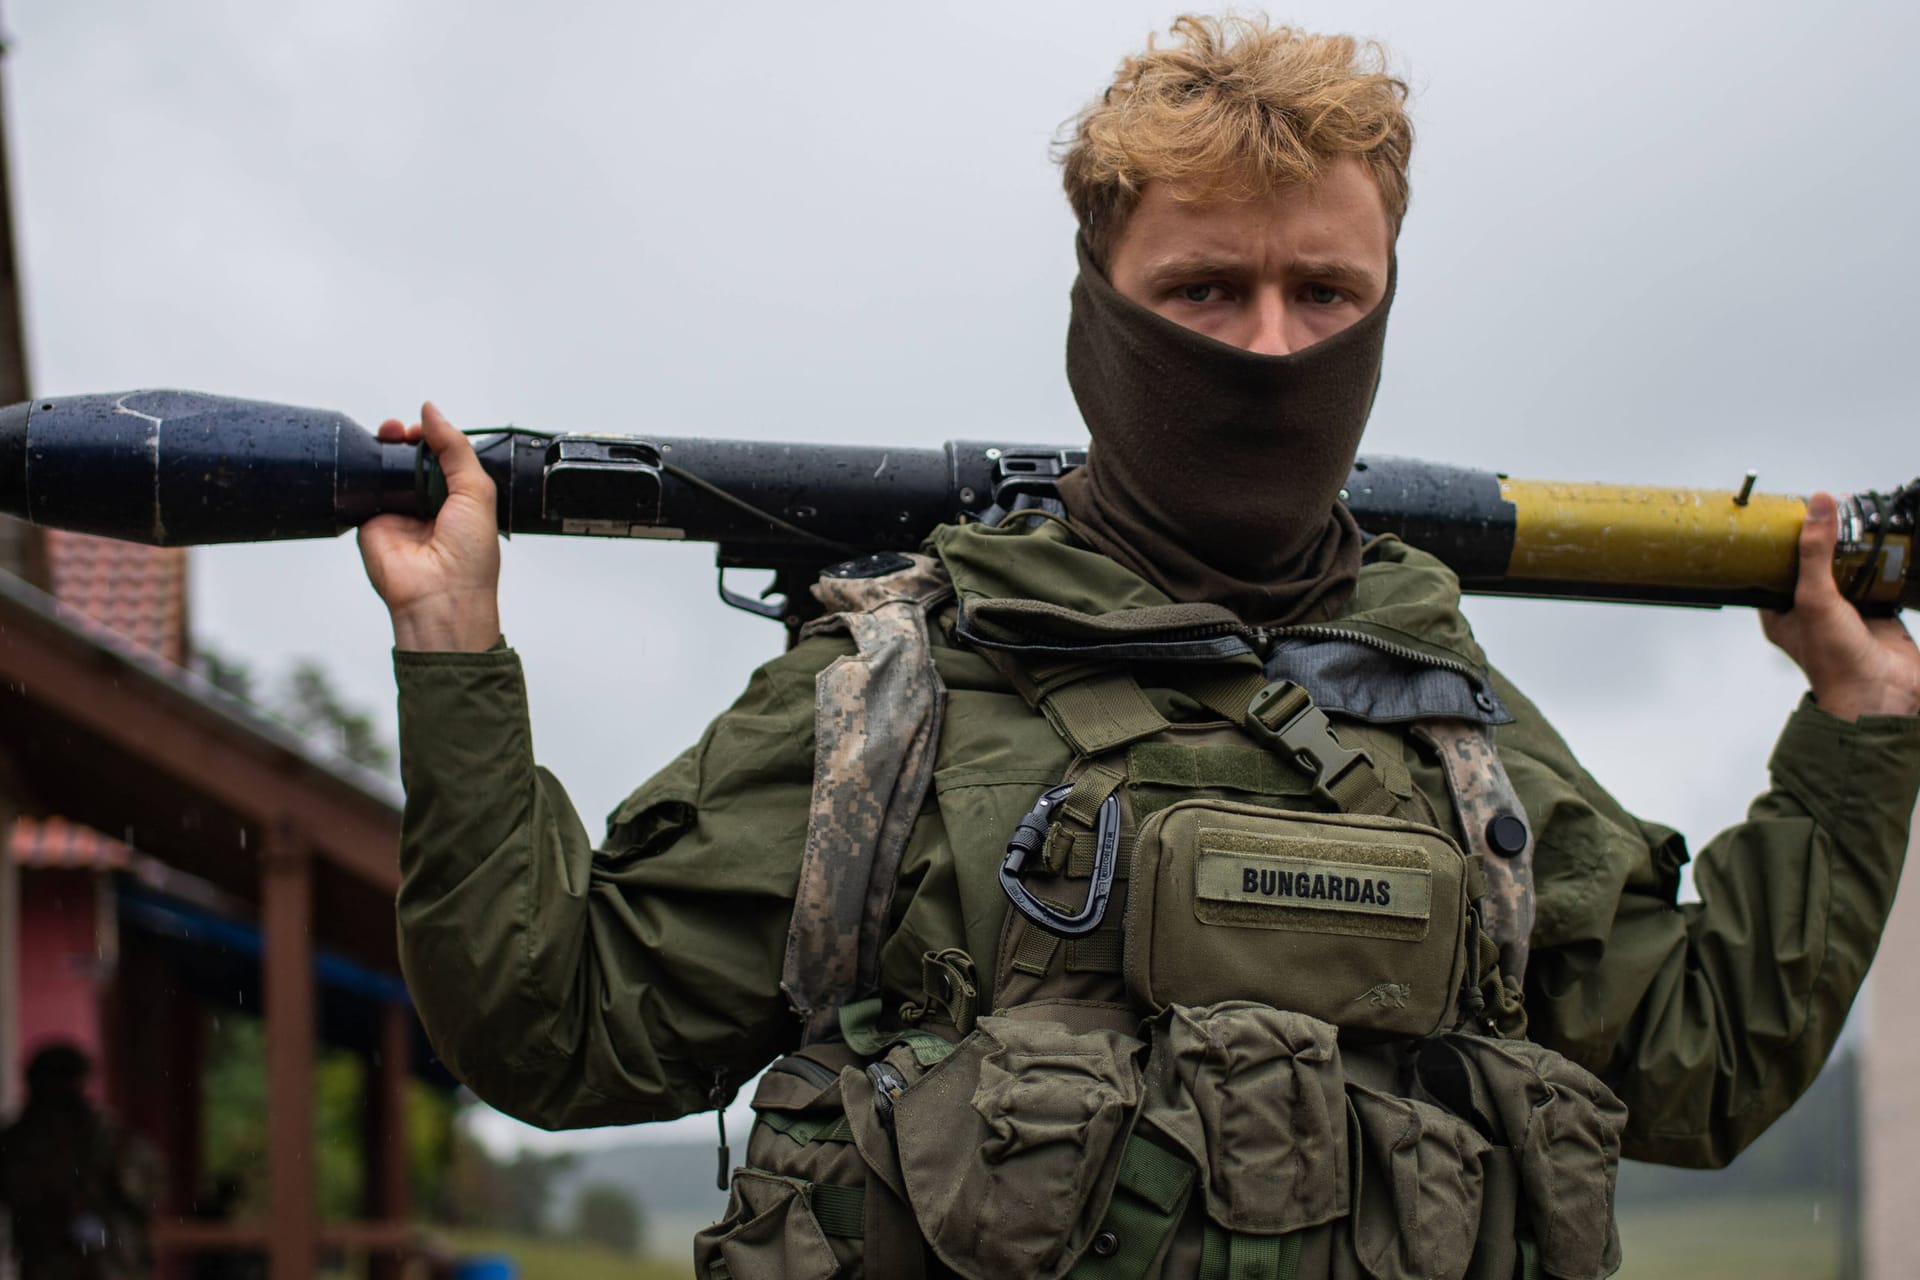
(1772, 1239)
(1761, 1239)
(556, 1260)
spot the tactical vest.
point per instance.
(1256, 1005)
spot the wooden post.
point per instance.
(10, 1064)
(1890, 1094)
(23, 548)
(389, 1176)
(287, 913)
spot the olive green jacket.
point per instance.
(571, 985)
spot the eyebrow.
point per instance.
(1342, 271)
(1338, 270)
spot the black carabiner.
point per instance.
(1026, 841)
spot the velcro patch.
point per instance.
(1368, 888)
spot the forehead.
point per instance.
(1341, 216)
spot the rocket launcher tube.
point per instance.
(173, 468)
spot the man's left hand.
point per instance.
(1857, 666)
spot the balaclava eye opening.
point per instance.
(1215, 473)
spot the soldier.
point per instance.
(79, 1191)
(1155, 880)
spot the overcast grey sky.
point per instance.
(1658, 242)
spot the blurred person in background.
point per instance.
(79, 1190)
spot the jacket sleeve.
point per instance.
(569, 985)
(1710, 1018)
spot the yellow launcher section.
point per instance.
(1617, 533)
(1613, 534)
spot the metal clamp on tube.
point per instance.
(1031, 834)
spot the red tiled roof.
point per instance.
(137, 592)
(57, 843)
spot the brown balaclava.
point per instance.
(1215, 473)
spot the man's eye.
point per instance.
(1197, 292)
(1322, 295)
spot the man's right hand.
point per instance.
(440, 578)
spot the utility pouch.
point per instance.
(1559, 1126)
(1253, 1096)
(1356, 920)
(1010, 1148)
(798, 1206)
(1419, 1188)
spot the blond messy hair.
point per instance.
(1235, 108)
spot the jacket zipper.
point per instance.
(718, 1096)
(1313, 631)
(807, 1069)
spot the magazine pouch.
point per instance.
(1253, 1096)
(1557, 1126)
(1009, 1148)
(1419, 1188)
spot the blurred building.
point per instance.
(172, 856)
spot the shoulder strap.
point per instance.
(1099, 706)
(1496, 827)
(876, 726)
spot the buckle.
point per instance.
(1027, 838)
(1283, 717)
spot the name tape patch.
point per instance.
(1402, 892)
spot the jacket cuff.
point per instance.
(1857, 776)
(462, 715)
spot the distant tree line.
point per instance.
(303, 699)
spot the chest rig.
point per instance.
(1244, 850)
(1256, 1006)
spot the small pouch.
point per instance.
(800, 1127)
(1010, 1148)
(795, 1208)
(1564, 1128)
(1419, 1183)
(769, 1233)
(1253, 1095)
(1355, 920)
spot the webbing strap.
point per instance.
(1284, 717)
(1255, 770)
(1529, 1258)
(1080, 854)
(1225, 691)
(1360, 790)
(1105, 710)
(1148, 1202)
(840, 1211)
(805, 1128)
(1230, 1255)
(1099, 952)
(1090, 791)
(1288, 722)
(1033, 954)
(1102, 712)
